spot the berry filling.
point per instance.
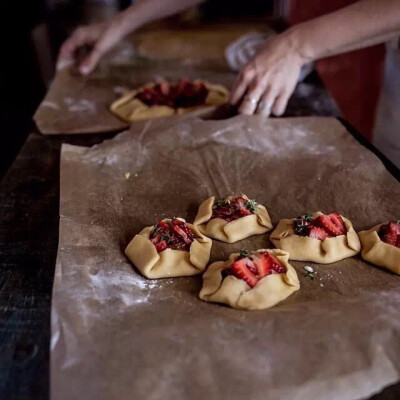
(184, 94)
(230, 210)
(390, 233)
(251, 267)
(321, 228)
(174, 234)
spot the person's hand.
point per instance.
(266, 83)
(101, 37)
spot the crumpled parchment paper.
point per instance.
(80, 104)
(117, 335)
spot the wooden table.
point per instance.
(29, 201)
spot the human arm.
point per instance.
(268, 81)
(103, 36)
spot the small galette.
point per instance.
(250, 280)
(380, 245)
(232, 219)
(170, 248)
(165, 99)
(318, 237)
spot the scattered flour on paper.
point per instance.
(83, 105)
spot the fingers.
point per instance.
(69, 47)
(280, 104)
(240, 86)
(282, 99)
(252, 97)
(90, 62)
(267, 102)
(106, 41)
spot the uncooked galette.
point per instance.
(232, 219)
(250, 281)
(381, 245)
(165, 99)
(170, 248)
(318, 238)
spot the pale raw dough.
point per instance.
(169, 263)
(236, 293)
(377, 252)
(130, 109)
(231, 232)
(303, 248)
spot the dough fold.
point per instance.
(304, 248)
(130, 109)
(231, 232)
(269, 291)
(169, 263)
(377, 252)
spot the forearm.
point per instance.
(359, 25)
(145, 11)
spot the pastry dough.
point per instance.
(231, 232)
(303, 248)
(378, 252)
(169, 263)
(236, 293)
(130, 109)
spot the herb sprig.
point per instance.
(251, 205)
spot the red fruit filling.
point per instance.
(174, 234)
(184, 94)
(390, 233)
(255, 266)
(230, 210)
(321, 228)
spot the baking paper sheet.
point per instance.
(80, 104)
(117, 335)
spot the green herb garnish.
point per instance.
(301, 225)
(167, 237)
(309, 272)
(220, 203)
(243, 254)
(155, 231)
(251, 205)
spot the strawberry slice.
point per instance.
(276, 265)
(239, 202)
(264, 264)
(389, 238)
(182, 234)
(244, 212)
(337, 219)
(394, 227)
(184, 227)
(398, 241)
(318, 233)
(156, 238)
(164, 88)
(389, 233)
(240, 269)
(325, 222)
(161, 246)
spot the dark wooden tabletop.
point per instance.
(29, 201)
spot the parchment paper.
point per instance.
(117, 335)
(79, 104)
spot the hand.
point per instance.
(269, 79)
(101, 37)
